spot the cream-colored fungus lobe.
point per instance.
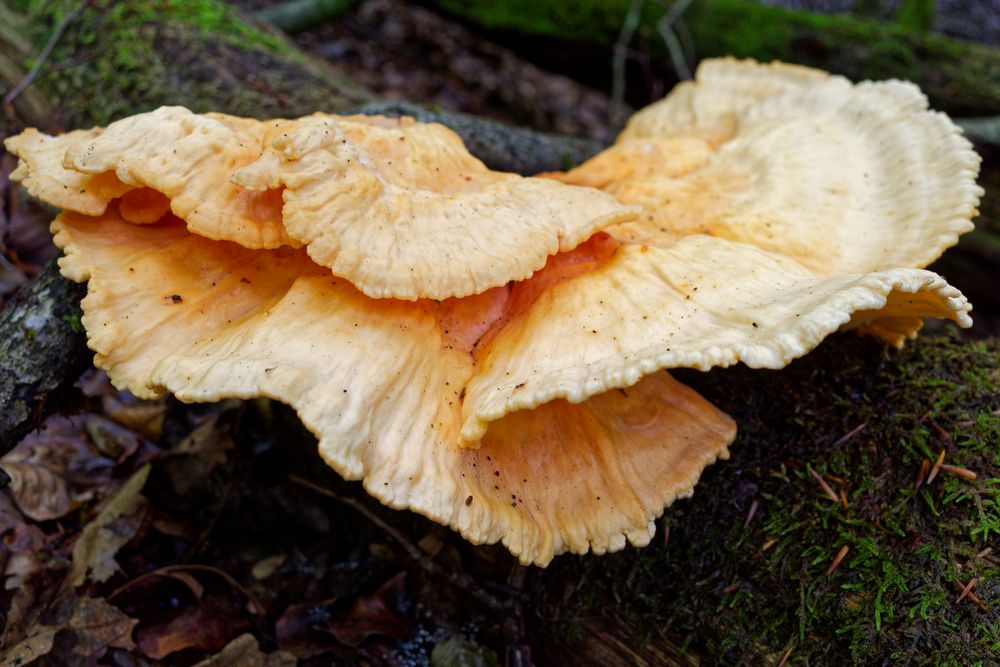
(403, 210)
(380, 383)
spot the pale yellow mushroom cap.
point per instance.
(40, 170)
(402, 210)
(842, 178)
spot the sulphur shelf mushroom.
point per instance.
(452, 335)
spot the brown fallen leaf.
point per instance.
(113, 527)
(244, 651)
(209, 442)
(98, 625)
(62, 447)
(35, 645)
(23, 548)
(111, 438)
(86, 627)
(311, 629)
(40, 494)
(207, 625)
(144, 417)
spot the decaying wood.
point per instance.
(42, 347)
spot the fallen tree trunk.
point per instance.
(961, 78)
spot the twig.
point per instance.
(413, 551)
(665, 26)
(967, 589)
(44, 55)
(255, 606)
(925, 467)
(785, 657)
(750, 514)
(629, 26)
(972, 596)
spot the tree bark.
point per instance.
(42, 347)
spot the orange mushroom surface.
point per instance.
(521, 399)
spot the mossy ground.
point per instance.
(892, 600)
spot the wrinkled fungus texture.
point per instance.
(470, 344)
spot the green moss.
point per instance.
(959, 77)
(893, 595)
(120, 58)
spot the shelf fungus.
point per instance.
(490, 350)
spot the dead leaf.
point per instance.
(375, 614)
(457, 651)
(98, 625)
(39, 493)
(23, 548)
(111, 439)
(89, 626)
(114, 526)
(306, 629)
(265, 567)
(207, 625)
(208, 442)
(144, 417)
(32, 647)
(244, 651)
(62, 447)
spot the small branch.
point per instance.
(629, 26)
(665, 26)
(298, 16)
(44, 55)
(981, 130)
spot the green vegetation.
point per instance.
(745, 591)
(959, 77)
(119, 58)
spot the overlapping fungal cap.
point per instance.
(843, 179)
(403, 210)
(381, 384)
(530, 411)
(840, 177)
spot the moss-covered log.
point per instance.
(959, 77)
(119, 58)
